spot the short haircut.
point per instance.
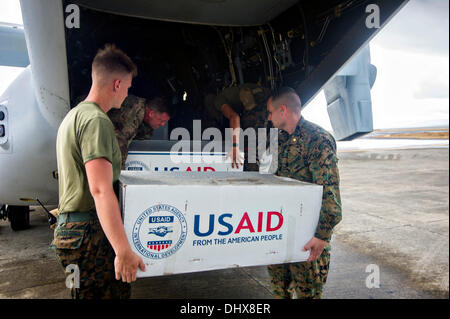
(287, 96)
(159, 105)
(110, 59)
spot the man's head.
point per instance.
(284, 108)
(157, 113)
(112, 73)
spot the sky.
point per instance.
(411, 56)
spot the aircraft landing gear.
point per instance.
(19, 216)
(3, 215)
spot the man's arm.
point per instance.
(100, 175)
(324, 171)
(235, 123)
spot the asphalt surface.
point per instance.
(395, 223)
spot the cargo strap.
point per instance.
(74, 217)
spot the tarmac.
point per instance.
(395, 225)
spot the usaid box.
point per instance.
(187, 222)
(178, 156)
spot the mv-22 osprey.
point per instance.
(185, 50)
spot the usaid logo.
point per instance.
(159, 231)
(136, 166)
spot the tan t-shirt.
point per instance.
(86, 133)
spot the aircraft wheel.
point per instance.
(3, 214)
(19, 216)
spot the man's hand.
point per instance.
(236, 157)
(126, 266)
(316, 246)
(235, 124)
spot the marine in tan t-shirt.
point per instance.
(86, 133)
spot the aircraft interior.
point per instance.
(189, 64)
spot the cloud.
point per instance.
(10, 11)
(432, 90)
(420, 26)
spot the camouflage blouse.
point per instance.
(309, 155)
(129, 123)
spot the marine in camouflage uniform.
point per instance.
(129, 123)
(309, 155)
(249, 102)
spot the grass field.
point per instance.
(426, 134)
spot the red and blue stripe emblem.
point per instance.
(159, 245)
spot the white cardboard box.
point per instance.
(156, 161)
(188, 222)
(167, 156)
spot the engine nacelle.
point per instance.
(348, 98)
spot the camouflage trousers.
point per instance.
(304, 280)
(85, 245)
